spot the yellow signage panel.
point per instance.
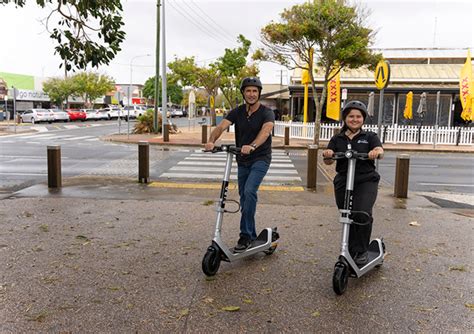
(382, 74)
(211, 101)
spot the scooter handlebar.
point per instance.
(351, 154)
(225, 148)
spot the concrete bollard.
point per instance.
(287, 135)
(402, 171)
(166, 133)
(54, 166)
(204, 134)
(143, 161)
(312, 168)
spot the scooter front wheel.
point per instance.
(340, 278)
(211, 261)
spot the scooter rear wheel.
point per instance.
(340, 278)
(211, 261)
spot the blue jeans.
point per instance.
(249, 178)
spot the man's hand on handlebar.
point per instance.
(327, 155)
(208, 146)
(247, 149)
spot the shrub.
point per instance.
(145, 123)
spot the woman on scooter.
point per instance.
(366, 178)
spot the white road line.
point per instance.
(79, 138)
(233, 177)
(24, 174)
(234, 170)
(38, 136)
(446, 184)
(92, 139)
(210, 163)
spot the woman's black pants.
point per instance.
(363, 199)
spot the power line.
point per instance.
(189, 17)
(220, 29)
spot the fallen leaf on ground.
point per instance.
(231, 308)
(316, 314)
(208, 300)
(248, 301)
(414, 224)
(458, 268)
(469, 306)
(44, 228)
(184, 312)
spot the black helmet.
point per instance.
(250, 81)
(354, 105)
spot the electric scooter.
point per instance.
(267, 240)
(346, 267)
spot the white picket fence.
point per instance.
(409, 134)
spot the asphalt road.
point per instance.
(23, 159)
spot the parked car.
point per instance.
(135, 111)
(76, 115)
(92, 114)
(60, 115)
(112, 112)
(37, 115)
(176, 113)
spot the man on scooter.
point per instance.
(366, 178)
(253, 128)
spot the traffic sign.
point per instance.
(382, 74)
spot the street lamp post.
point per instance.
(130, 91)
(6, 109)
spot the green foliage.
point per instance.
(183, 71)
(92, 85)
(233, 68)
(144, 123)
(173, 90)
(333, 29)
(59, 89)
(86, 32)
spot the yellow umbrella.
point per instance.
(408, 112)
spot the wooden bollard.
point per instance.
(287, 135)
(166, 133)
(312, 168)
(54, 166)
(143, 161)
(204, 134)
(402, 170)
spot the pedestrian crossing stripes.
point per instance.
(42, 137)
(210, 166)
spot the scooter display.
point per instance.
(267, 240)
(345, 266)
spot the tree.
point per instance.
(87, 32)
(174, 90)
(333, 29)
(59, 90)
(92, 86)
(233, 68)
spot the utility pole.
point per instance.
(164, 96)
(157, 67)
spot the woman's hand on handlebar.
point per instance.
(376, 153)
(208, 146)
(327, 155)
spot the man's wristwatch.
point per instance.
(254, 146)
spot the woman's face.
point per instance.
(354, 120)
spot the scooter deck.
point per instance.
(262, 238)
(373, 250)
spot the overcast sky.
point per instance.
(204, 29)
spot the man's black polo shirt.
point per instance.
(363, 142)
(247, 129)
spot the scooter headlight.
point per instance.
(348, 154)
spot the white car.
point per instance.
(135, 111)
(112, 112)
(60, 115)
(92, 114)
(37, 115)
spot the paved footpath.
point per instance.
(118, 257)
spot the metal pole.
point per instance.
(164, 98)
(379, 123)
(438, 97)
(157, 66)
(129, 98)
(14, 107)
(54, 166)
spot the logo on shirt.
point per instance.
(362, 141)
